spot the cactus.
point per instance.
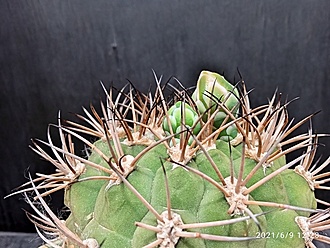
(197, 170)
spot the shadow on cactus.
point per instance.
(195, 169)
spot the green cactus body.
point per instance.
(110, 215)
(151, 183)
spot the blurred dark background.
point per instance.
(53, 54)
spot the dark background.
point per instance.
(53, 54)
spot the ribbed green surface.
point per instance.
(110, 215)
